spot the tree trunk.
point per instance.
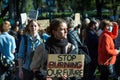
(114, 9)
(99, 8)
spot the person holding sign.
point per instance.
(56, 44)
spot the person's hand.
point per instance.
(64, 77)
(48, 78)
(20, 74)
(114, 23)
(117, 51)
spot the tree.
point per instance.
(99, 4)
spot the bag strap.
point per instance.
(25, 42)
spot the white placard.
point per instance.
(23, 18)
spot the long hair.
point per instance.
(26, 30)
(55, 23)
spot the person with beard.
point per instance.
(56, 44)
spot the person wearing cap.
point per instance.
(106, 50)
(7, 48)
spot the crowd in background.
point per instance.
(97, 39)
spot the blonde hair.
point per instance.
(26, 30)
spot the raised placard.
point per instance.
(44, 23)
(24, 18)
(33, 14)
(77, 20)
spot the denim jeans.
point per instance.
(108, 72)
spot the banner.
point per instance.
(71, 65)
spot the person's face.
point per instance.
(61, 32)
(6, 26)
(33, 27)
(109, 28)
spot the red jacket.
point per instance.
(106, 48)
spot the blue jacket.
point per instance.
(7, 45)
(26, 48)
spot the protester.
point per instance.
(91, 41)
(7, 50)
(15, 32)
(106, 50)
(56, 44)
(30, 40)
(117, 40)
(74, 38)
(72, 35)
(117, 45)
(85, 23)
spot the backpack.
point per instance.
(82, 48)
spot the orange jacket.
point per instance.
(106, 48)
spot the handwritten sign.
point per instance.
(23, 18)
(44, 23)
(70, 64)
(33, 14)
(77, 19)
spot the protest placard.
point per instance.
(77, 19)
(24, 18)
(70, 64)
(33, 14)
(44, 23)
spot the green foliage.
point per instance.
(29, 5)
(81, 6)
(54, 15)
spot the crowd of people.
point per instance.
(28, 49)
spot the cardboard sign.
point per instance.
(71, 65)
(77, 19)
(44, 23)
(24, 18)
(33, 14)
